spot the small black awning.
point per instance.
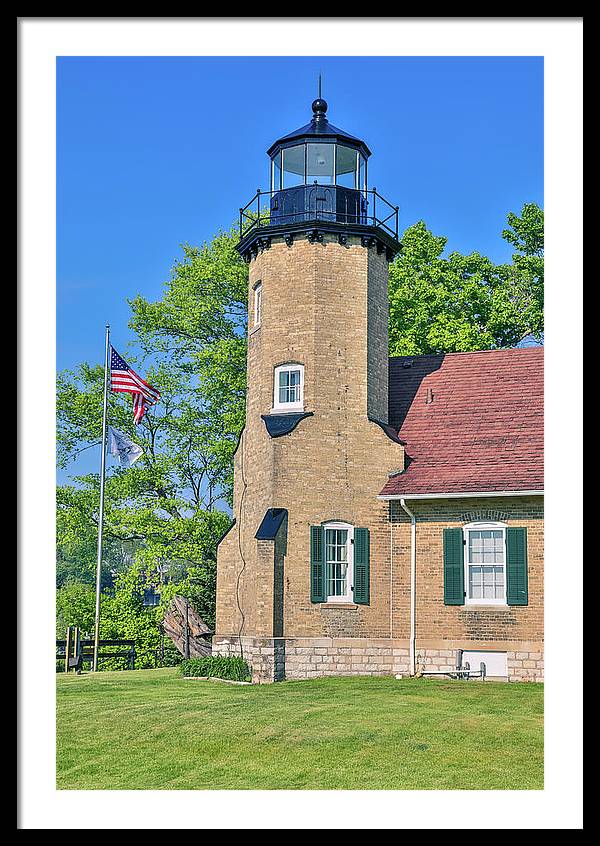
(271, 523)
(282, 424)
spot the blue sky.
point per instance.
(153, 152)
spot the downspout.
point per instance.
(413, 588)
(391, 578)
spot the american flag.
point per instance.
(125, 380)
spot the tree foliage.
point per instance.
(459, 303)
(75, 606)
(199, 327)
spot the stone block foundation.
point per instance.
(278, 659)
(265, 655)
(524, 662)
(526, 666)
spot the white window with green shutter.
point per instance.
(340, 563)
(485, 564)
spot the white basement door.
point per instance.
(495, 662)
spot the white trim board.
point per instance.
(461, 495)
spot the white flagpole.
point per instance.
(101, 513)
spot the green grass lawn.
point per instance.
(151, 729)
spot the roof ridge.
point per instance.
(468, 352)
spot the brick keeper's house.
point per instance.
(387, 512)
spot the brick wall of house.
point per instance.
(470, 626)
(344, 642)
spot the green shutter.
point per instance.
(516, 567)
(317, 564)
(454, 567)
(361, 566)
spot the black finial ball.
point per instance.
(319, 107)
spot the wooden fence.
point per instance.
(74, 650)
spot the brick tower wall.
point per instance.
(325, 306)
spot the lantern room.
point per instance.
(318, 172)
(318, 183)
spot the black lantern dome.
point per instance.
(318, 153)
(318, 180)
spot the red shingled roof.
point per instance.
(483, 429)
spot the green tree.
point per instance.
(75, 606)
(199, 327)
(526, 233)
(77, 537)
(525, 277)
(465, 302)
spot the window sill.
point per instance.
(298, 409)
(346, 604)
(480, 606)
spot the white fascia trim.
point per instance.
(461, 495)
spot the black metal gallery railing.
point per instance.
(328, 203)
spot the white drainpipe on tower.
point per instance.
(413, 587)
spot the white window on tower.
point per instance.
(257, 304)
(485, 563)
(339, 562)
(289, 388)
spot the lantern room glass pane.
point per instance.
(362, 173)
(345, 166)
(276, 173)
(319, 163)
(293, 166)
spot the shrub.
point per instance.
(217, 666)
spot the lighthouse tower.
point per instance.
(303, 574)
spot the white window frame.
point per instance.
(257, 304)
(479, 527)
(349, 595)
(283, 407)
